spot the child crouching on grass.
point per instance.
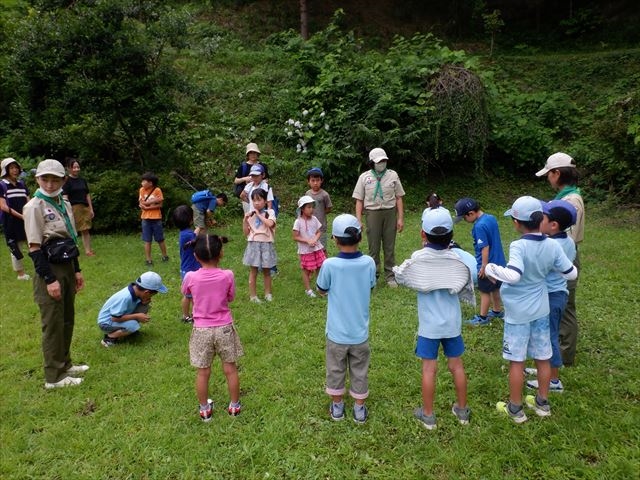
(347, 279)
(306, 232)
(212, 289)
(125, 310)
(440, 277)
(526, 301)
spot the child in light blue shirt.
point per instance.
(524, 294)
(347, 280)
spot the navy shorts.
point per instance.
(487, 286)
(427, 348)
(152, 230)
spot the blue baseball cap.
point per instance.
(315, 171)
(256, 170)
(342, 222)
(560, 211)
(151, 281)
(436, 218)
(523, 208)
(464, 206)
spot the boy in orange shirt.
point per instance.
(150, 202)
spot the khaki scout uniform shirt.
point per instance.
(576, 232)
(42, 221)
(366, 187)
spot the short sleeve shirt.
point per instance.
(555, 281)
(76, 190)
(348, 279)
(534, 257)
(258, 230)
(485, 233)
(42, 221)
(150, 195)
(307, 229)
(250, 187)
(212, 290)
(366, 188)
(120, 303)
(188, 262)
(323, 203)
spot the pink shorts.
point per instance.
(312, 261)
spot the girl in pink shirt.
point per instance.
(212, 289)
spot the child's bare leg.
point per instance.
(555, 373)
(266, 273)
(337, 398)
(233, 381)
(163, 248)
(544, 376)
(147, 251)
(496, 301)
(185, 303)
(516, 379)
(429, 369)
(202, 385)
(485, 300)
(456, 368)
(306, 275)
(253, 276)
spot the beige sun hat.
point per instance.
(252, 147)
(5, 165)
(50, 167)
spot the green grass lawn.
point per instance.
(135, 416)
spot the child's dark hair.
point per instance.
(354, 237)
(182, 217)
(443, 239)
(150, 177)
(207, 247)
(259, 193)
(223, 196)
(534, 223)
(434, 200)
(568, 176)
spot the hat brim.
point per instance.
(543, 172)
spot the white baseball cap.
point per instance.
(557, 160)
(151, 281)
(50, 167)
(434, 218)
(377, 155)
(304, 200)
(523, 208)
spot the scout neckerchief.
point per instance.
(378, 189)
(59, 206)
(569, 189)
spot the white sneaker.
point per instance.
(310, 293)
(65, 382)
(24, 277)
(255, 300)
(531, 372)
(77, 369)
(555, 387)
(268, 297)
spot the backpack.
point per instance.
(243, 171)
(201, 196)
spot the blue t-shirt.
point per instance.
(533, 256)
(439, 313)
(348, 278)
(119, 304)
(204, 200)
(485, 233)
(188, 262)
(555, 281)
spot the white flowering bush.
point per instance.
(303, 131)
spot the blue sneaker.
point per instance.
(336, 410)
(494, 314)
(360, 413)
(478, 321)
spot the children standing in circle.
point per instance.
(306, 231)
(150, 201)
(212, 289)
(76, 190)
(323, 205)
(259, 226)
(13, 197)
(183, 219)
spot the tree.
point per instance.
(492, 25)
(304, 19)
(93, 79)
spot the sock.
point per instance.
(513, 408)
(496, 311)
(484, 317)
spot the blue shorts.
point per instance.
(557, 304)
(152, 230)
(427, 348)
(527, 340)
(487, 286)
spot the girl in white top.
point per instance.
(259, 226)
(306, 231)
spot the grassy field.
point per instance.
(135, 416)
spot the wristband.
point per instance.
(41, 264)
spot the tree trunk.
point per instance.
(304, 20)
